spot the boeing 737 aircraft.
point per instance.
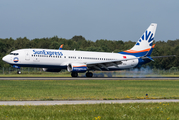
(52, 60)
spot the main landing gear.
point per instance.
(89, 74)
(75, 74)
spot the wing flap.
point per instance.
(106, 64)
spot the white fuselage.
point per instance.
(50, 58)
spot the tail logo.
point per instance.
(145, 38)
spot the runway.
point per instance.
(83, 102)
(93, 78)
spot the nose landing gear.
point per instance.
(18, 72)
(18, 69)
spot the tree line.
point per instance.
(162, 48)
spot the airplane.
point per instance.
(52, 60)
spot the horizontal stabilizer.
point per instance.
(150, 58)
(154, 57)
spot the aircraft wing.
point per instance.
(106, 64)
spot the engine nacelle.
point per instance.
(77, 67)
(51, 70)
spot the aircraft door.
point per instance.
(27, 55)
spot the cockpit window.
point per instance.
(14, 53)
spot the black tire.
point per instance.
(18, 72)
(74, 74)
(89, 74)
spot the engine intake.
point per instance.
(77, 68)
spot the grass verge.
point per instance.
(80, 74)
(134, 111)
(88, 89)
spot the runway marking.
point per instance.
(83, 102)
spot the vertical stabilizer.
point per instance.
(146, 40)
(144, 44)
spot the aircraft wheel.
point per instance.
(18, 72)
(74, 74)
(89, 74)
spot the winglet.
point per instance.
(61, 46)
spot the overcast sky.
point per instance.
(93, 19)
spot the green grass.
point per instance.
(81, 74)
(134, 111)
(38, 72)
(88, 89)
(68, 74)
(35, 75)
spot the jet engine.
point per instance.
(77, 67)
(51, 70)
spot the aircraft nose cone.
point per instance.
(4, 58)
